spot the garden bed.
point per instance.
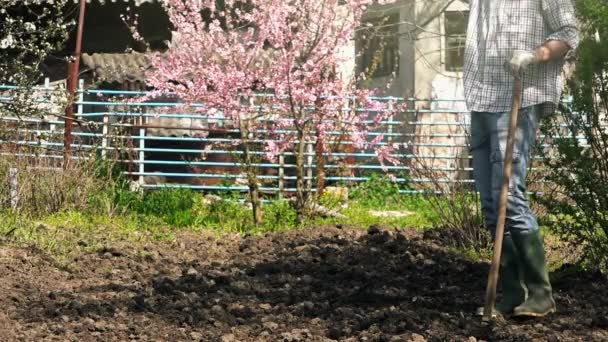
(322, 284)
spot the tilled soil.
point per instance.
(318, 284)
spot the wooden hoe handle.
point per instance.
(502, 203)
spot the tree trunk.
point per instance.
(319, 150)
(252, 181)
(301, 195)
(320, 167)
(254, 193)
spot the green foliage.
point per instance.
(279, 215)
(331, 200)
(415, 214)
(378, 191)
(224, 215)
(232, 216)
(117, 213)
(116, 197)
(66, 234)
(370, 199)
(167, 202)
(578, 207)
(173, 206)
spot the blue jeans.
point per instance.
(488, 145)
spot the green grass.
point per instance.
(231, 216)
(360, 213)
(161, 214)
(379, 193)
(64, 235)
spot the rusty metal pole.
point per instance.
(502, 202)
(72, 80)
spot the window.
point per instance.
(378, 46)
(455, 27)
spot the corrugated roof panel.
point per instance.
(117, 67)
(137, 2)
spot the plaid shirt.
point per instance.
(497, 28)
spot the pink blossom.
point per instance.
(272, 150)
(384, 154)
(271, 47)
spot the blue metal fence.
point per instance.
(433, 139)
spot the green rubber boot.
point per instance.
(532, 257)
(510, 278)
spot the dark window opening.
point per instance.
(378, 46)
(455, 37)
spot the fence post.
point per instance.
(52, 126)
(309, 152)
(48, 96)
(105, 130)
(281, 175)
(390, 120)
(54, 136)
(14, 187)
(80, 107)
(142, 146)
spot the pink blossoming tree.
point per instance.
(226, 53)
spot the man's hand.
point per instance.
(520, 61)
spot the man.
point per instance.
(508, 39)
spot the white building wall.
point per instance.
(420, 48)
(444, 138)
(429, 54)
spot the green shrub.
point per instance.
(378, 191)
(279, 215)
(166, 201)
(174, 206)
(330, 200)
(224, 215)
(578, 206)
